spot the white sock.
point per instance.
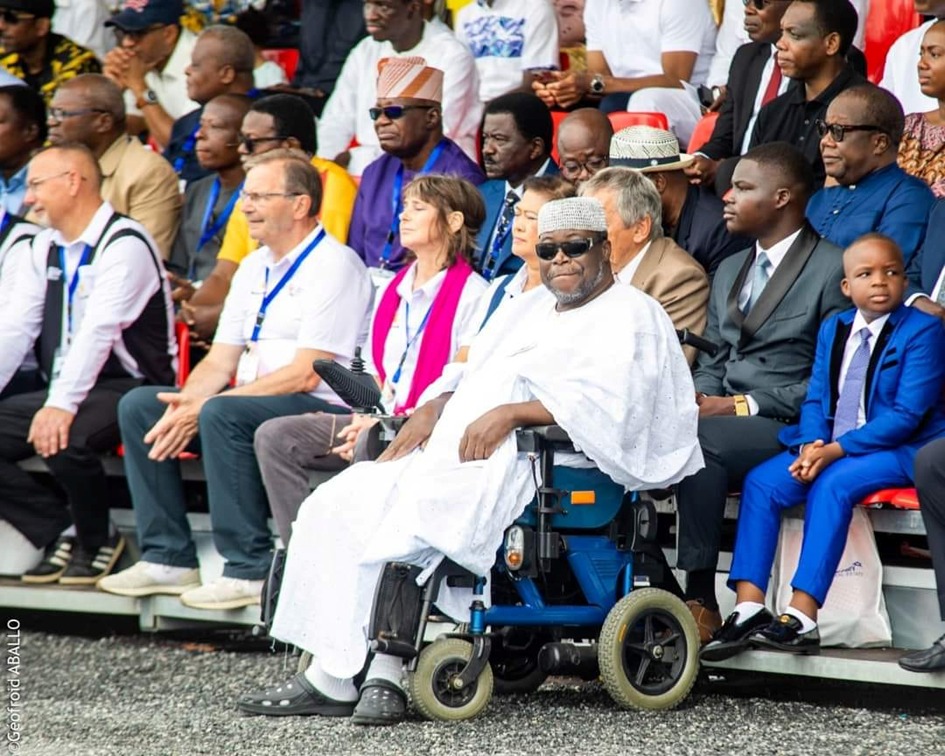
(164, 573)
(387, 667)
(746, 610)
(69, 532)
(337, 688)
(807, 624)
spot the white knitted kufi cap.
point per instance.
(572, 214)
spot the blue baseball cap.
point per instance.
(138, 15)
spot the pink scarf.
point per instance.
(438, 334)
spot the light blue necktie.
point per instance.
(848, 404)
(759, 282)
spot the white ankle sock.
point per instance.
(337, 688)
(807, 624)
(164, 573)
(747, 609)
(387, 667)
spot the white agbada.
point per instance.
(627, 403)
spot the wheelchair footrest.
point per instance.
(394, 647)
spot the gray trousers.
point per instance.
(287, 450)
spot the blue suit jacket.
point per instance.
(925, 266)
(493, 192)
(904, 383)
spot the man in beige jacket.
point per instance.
(136, 181)
(642, 256)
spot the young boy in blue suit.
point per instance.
(874, 399)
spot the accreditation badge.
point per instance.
(247, 370)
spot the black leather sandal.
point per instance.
(381, 703)
(295, 697)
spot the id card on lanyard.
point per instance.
(247, 370)
(393, 380)
(71, 286)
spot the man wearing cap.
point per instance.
(692, 215)
(396, 29)
(408, 122)
(545, 360)
(583, 144)
(149, 63)
(33, 53)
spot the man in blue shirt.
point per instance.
(859, 141)
(22, 131)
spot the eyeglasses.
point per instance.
(762, 4)
(592, 165)
(10, 16)
(135, 35)
(61, 114)
(249, 143)
(838, 131)
(33, 183)
(548, 250)
(257, 197)
(393, 112)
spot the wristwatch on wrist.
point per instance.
(597, 84)
(741, 406)
(148, 97)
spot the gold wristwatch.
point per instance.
(741, 405)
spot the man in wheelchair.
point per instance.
(601, 361)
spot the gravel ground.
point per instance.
(136, 695)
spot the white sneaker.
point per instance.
(224, 593)
(139, 580)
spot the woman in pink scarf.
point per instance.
(419, 317)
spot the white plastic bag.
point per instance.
(854, 612)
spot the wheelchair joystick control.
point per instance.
(357, 364)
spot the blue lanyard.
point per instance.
(74, 283)
(208, 230)
(267, 299)
(490, 269)
(187, 150)
(395, 379)
(396, 200)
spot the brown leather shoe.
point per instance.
(707, 621)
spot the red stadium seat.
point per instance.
(619, 120)
(886, 21)
(703, 132)
(900, 498)
(287, 58)
(183, 352)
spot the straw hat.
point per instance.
(647, 150)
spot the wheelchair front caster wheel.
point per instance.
(431, 684)
(649, 650)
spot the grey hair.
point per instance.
(299, 175)
(635, 195)
(236, 47)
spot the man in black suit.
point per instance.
(926, 288)
(765, 310)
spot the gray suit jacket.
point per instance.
(769, 353)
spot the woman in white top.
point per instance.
(418, 320)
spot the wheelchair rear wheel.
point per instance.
(649, 650)
(431, 683)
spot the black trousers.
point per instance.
(732, 446)
(41, 510)
(930, 483)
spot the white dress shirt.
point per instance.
(346, 113)
(14, 252)
(170, 84)
(900, 75)
(853, 343)
(411, 312)
(506, 39)
(323, 306)
(112, 293)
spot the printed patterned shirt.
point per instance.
(64, 60)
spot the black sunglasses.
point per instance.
(838, 131)
(250, 142)
(10, 16)
(762, 4)
(548, 250)
(135, 35)
(393, 112)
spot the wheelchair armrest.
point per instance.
(533, 440)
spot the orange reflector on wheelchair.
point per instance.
(583, 497)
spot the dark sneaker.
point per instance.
(87, 568)
(54, 563)
(927, 660)
(784, 634)
(732, 637)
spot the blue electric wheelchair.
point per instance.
(580, 587)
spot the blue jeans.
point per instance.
(238, 505)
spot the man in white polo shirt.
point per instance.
(642, 55)
(508, 38)
(302, 296)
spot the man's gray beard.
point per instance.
(582, 292)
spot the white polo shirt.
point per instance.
(170, 85)
(403, 339)
(321, 307)
(507, 39)
(633, 34)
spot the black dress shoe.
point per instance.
(784, 634)
(295, 697)
(54, 563)
(732, 637)
(927, 660)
